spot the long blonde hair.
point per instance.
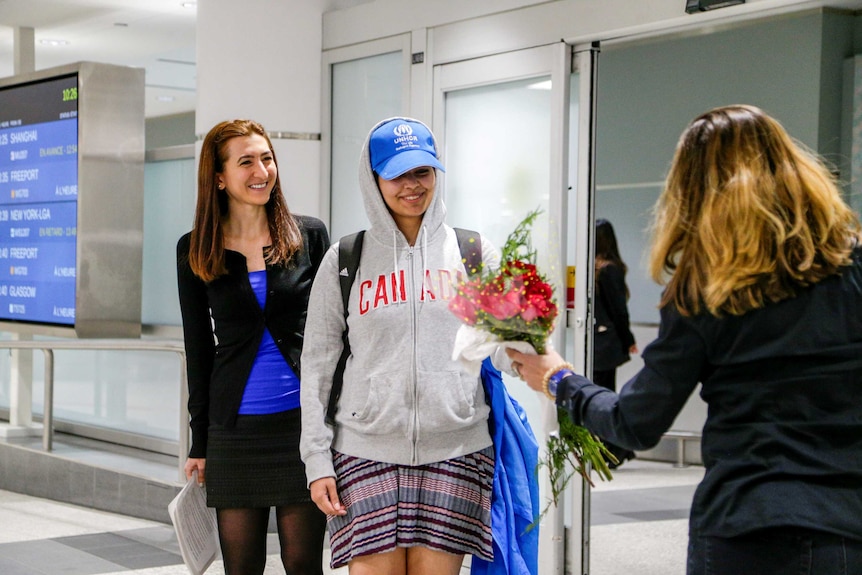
(747, 216)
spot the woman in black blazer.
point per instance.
(245, 273)
(613, 340)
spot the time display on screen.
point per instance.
(38, 200)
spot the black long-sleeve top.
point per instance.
(223, 325)
(782, 441)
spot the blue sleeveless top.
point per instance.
(272, 386)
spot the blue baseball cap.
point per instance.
(401, 145)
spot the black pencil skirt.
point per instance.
(256, 463)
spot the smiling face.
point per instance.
(249, 172)
(408, 197)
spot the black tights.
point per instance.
(242, 534)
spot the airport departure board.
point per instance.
(71, 201)
(38, 200)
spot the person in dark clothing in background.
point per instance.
(762, 259)
(613, 341)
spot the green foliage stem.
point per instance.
(572, 451)
(519, 246)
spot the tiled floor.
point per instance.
(638, 528)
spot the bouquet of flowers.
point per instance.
(515, 306)
(514, 303)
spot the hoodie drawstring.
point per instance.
(395, 252)
(424, 251)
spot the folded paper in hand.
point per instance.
(195, 525)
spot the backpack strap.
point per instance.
(349, 251)
(470, 244)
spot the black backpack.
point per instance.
(349, 250)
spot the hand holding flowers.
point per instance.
(572, 446)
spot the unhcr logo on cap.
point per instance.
(403, 130)
(404, 137)
(399, 145)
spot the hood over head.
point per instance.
(397, 145)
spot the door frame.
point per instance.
(559, 61)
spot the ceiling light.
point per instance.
(189, 5)
(546, 85)
(54, 42)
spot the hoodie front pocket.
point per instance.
(385, 410)
(445, 400)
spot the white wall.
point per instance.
(480, 27)
(260, 59)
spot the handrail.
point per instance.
(47, 347)
(681, 436)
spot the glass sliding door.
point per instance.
(581, 228)
(502, 122)
(496, 156)
(365, 84)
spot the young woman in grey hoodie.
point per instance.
(405, 474)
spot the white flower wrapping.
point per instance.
(473, 345)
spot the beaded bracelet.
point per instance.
(550, 373)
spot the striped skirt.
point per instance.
(444, 506)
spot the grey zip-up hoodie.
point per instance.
(404, 399)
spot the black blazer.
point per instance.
(223, 325)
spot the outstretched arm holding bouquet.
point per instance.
(762, 259)
(635, 419)
(513, 307)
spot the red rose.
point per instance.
(541, 289)
(464, 308)
(500, 304)
(526, 268)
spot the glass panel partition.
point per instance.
(170, 192)
(496, 155)
(364, 91)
